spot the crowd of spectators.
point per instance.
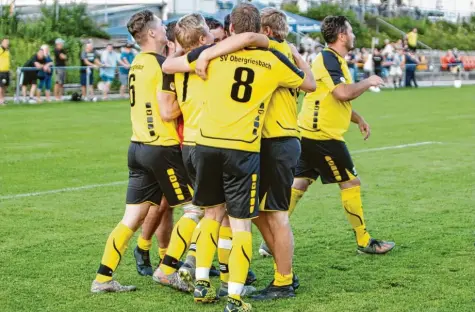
(38, 71)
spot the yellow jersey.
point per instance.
(322, 116)
(145, 80)
(189, 90)
(4, 60)
(412, 39)
(281, 116)
(238, 90)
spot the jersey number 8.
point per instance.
(242, 82)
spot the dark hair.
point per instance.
(139, 23)
(171, 31)
(213, 23)
(332, 26)
(227, 22)
(245, 17)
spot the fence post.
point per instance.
(18, 79)
(88, 71)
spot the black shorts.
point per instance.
(227, 176)
(4, 79)
(156, 171)
(279, 158)
(329, 159)
(30, 77)
(189, 160)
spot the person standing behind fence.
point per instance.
(109, 60)
(126, 58)
(410, 62)
(89, 59)
(412, 39)
(60, 58)
(30, 75)
(45, 76)
(4, 69)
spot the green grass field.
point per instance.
(421, 196)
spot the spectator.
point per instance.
(109, 59)
(388, 48)
(312, 55)
(308, 43)
(410, 62)
(60, 59)
(216, 28)
(45, 76)
(367, 63)
(30, 76)
(351, 60)
(126, 58)
(412, 39)
(395, 70)
(399, 44)
(4, 69)
(88, 59)
(377, 62)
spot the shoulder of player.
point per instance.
(195, 53)
(330, 60)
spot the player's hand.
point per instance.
(364, 129)
(375, 81)
(294, 50)
(202, 65)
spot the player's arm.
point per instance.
(288, 75)
(180, 63)
(166, 96)
(362, 124)
(309, 84)
(348, 92)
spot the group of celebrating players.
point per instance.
(246, 156)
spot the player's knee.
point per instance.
(135, 215)
(215, 213)
(301, 184)
(278, 219)
(193, 212)
(351, 183)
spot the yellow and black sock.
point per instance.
(351, 199)
(206, 245)
(239, 263)
(144, 244)
(162, 252)
(115, 248)
(179, 243)
(192, 250)
(283, 280)
(295, 196)
(224, 248)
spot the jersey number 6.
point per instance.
(244, 83)
(132, 90)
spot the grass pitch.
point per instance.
(421, 196)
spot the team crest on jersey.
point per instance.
(172, 86)
(342, 79)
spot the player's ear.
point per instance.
(267, 31)
(151, 33)
(231, 29)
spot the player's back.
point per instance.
(145, 79)
(189, 90)
(281, 116)
(238, 90)
(323, 117)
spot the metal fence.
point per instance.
(72, 83)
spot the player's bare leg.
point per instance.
(2, 95)
(144, 241)
(351, 199)
(164, 230)
(115, 248)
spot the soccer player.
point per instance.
(325, 117)
(280, 151)
(154, 159)
(216, 29)
(238, 89)
(192, 32)
(4, 69)
(159, 220)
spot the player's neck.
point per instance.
(341, 50)
(152, 47)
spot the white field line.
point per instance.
(93, 186)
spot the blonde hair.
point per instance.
(276, 20)
(45, 49)
(189, 29)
